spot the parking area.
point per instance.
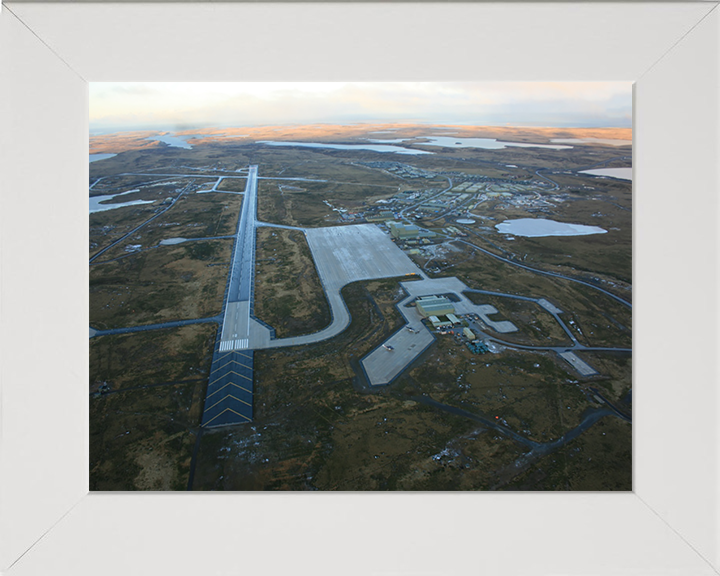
(583, 368)
(384, 363)
(437, 286)
(345, 254)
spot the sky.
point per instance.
(186, 105)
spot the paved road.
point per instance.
(285, 226)
(537, 301)
(546, 273)
(504, 430)
(173, 324)
(244, 256)
(236, 326)
(214, 176)
(620, 413)
(555, 184)
(184, 190)
(229, 397)
(559, 349)
(402, 212)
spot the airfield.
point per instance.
(534, 349)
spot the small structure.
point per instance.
(468, 334)
(381, 216)
(403, 231)
(454, 319)
(437, 323)
(477, 347)
(434, 306)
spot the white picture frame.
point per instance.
(50, 524)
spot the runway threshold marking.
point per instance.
(223, 412)
(231, 362)
(227, 374)
(224, 398)
(230, 384)
(242, 343)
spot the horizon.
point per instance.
(176, 107)
(400, 126)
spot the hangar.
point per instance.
(434, 306)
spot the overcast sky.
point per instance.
(174, 106)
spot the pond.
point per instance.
(484, 143)
(620, 173)
(97, 157)
(97, 206)
(174, 141)
(538, 227)
(608, 141)
(371, 147)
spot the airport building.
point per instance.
(469, 334)
(403, 231)
(434, 306)
(437, 323)
(454, 319)
(380, 216)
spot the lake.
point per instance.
(620, 173)
(97, 157)
(538, 227)
(608, 141)
(371, 147)
(174, 141)
(484, 143)
(97, 206)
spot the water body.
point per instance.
(484, 143)
(389, 140)
(96, 202)
(608, 141)
(619, 173)
(371, 147)
(97, 157)
(174, 141)
(538, 227)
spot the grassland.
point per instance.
(109, 226)
(306, 203)
(158, 356)
(536, 326)
(149, 185)
(318, 425)
(599, 459)
(142, 432)
(194, 216)
(233, 184)
(288, 292)
(529, 390)
(597, 319)
(178, 282)
(597, 255)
